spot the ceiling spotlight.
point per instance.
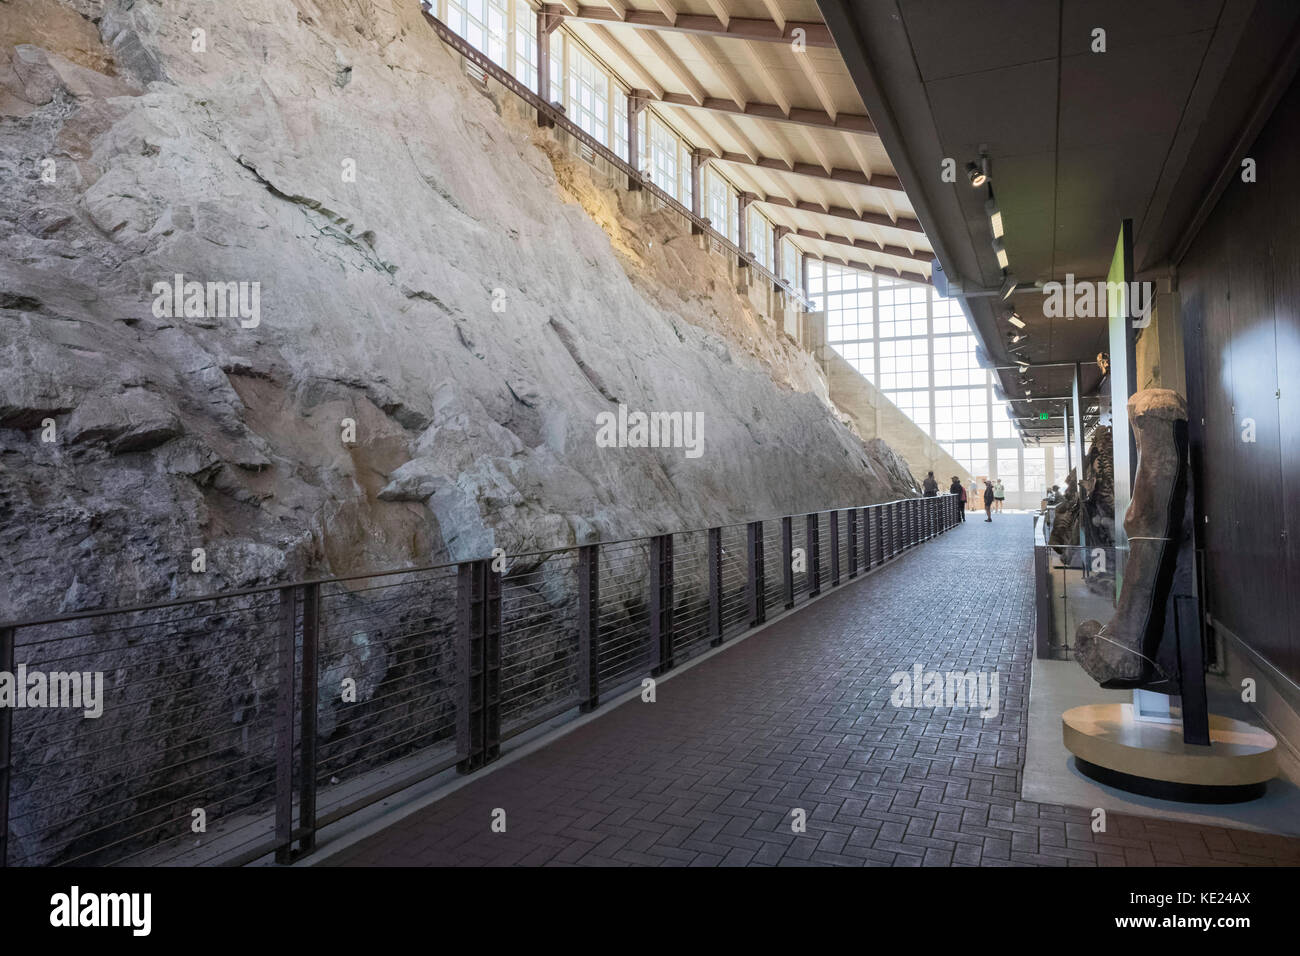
(995, 217)
(1018, 337)
(1024, 366)
(1000, 251)
(1008, 286)
(1015, 319)
(977, 173)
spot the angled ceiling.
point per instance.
(1077, 140)
(787, 126)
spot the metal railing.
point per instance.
(236, 726)
(557, 117)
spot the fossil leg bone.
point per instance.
(1128, 651)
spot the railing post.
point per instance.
(868, 540)
(469, 668)
(835, 547)
(286, 697)
(492, 660)
(853, 542)
(895, 528)
(661, 601)
(813, 541)
(8, 638)
(1043, 624)
(756, 579)
(715, 587)
(787, 559)
(309, 680)
(588, 628)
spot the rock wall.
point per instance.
(468, 299)
(877, 416)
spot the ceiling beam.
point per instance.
(720, 8)
(742, 28)
(696, 96)
(631, 62)
(817, 83)
(859, 154)
(839, 212)
(764, 73)
(737, 134)
(666, 8)
(724, 70)
(848, 176)
(877, 270)
(774, 11)
(846, 122)
(616, 7)
(822, 156)
(864, 245)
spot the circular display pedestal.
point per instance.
(1149, 757)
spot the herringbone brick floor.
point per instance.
(799, 716)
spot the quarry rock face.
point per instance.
(421, 268)
(280, 285)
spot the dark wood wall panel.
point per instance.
(1286, 297)
(1240, 285)
(1282, 141)
(1256, 531)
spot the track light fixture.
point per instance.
(976, 175)
(1008, 286)
(995, 216)
(1000, 251)
(1015, 319)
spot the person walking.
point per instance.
(974, 494)
(958, 489)
(988, 500)
(999, 495)
(930, 487)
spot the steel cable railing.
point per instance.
(234, 726)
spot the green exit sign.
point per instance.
(1042, 416)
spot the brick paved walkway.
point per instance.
(799, 716)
